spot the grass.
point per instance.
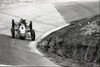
(76, 45)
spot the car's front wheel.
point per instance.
(12, 29)
(32, 34)
(32, 31)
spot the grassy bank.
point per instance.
(76, 45)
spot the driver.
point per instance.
(23, 21)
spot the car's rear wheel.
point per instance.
(32, 31)
(12, 29)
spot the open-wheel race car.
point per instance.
(22, 30)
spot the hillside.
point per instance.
(76, 45)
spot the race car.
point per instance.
(22, 29)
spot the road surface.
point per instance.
(77, 10)
(45, 17)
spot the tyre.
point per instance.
(32, 34)
(30, 25)
(32, 31)
(12, 29)
(13, 24)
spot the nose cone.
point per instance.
(22, 30)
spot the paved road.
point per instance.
(77, 10)
(17, 52)
(45, 17)
(42, 15)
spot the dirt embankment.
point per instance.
(78, 43)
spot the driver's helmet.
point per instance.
(23, 21)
